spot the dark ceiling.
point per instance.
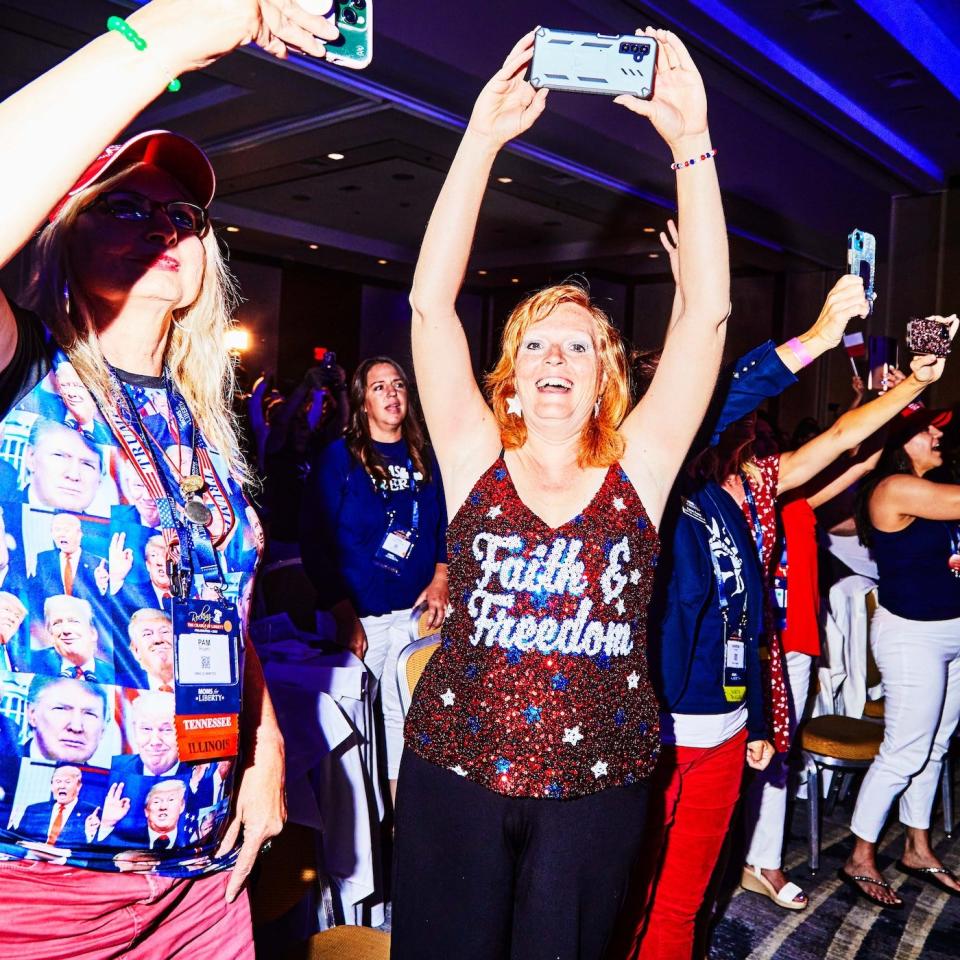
(822, 110)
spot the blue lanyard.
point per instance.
(754, 515)
(415, 515)
(722, 588)
(127, 424)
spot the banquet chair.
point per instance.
(285, 873)
(839, 744)
(415, 655)
(343, 943)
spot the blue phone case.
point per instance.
(862, 261)
(593, 62)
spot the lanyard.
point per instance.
(722, 585)
(754, 516)
(415, 516)
(778, 592)
(184, 540)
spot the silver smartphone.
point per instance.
(593, 62)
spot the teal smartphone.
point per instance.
(354, 47)
(354, 19)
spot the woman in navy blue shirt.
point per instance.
(373, 531)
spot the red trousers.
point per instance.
(692, 798)
(51, 912)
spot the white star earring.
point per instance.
(513, 406)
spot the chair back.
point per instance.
(411, 664)
(873, 671)
(286, 872)
(343, 943)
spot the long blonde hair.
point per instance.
(196, 352)
(600, 442)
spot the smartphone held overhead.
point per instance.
(354, 19)
(862, 261)
(593, 62)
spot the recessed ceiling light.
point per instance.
(649, 229)
(334, 156)
(504, 179)
(514, 279)
(314, 246)
(653, 256)
(481, 273)
(233, 229)
(383, 262)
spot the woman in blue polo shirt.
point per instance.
(373, 531)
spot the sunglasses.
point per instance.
(188, 218)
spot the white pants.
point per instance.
(767, 797)
(387, 635)
(919, 661)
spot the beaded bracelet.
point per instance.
(709, 155)
(128, 33)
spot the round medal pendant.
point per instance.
(954, 564)
(191, 484)
(198, 512)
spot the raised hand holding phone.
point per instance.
(928, 368)
(508, 105)
(678, 107)
(353, 21)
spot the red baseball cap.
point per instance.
(178, 155)
(916, 417)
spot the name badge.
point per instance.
(734, 670)
(206, 654)
(395, 548)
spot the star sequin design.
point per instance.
(621, 609)
(449, 611)
(448, 697)
(473, 724)
(532, 714)
(459, 771)
(599, 769)
(559, 682)
(514, 656)
(633, 681)
(555, 790)
(618, 503)
(494, 511)
(634, 577)
(502, 765)
(572, 735)
(513, 406)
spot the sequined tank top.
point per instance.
(540, 687)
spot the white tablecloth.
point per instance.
(323, 703)
(843, 663)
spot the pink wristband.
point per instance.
(800, 352)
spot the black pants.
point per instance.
(480, 876)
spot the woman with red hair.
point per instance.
(522, 793)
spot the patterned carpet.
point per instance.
(839, 925)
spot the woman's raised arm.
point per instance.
(798, 466)
(462, 429)
(56, 125)
(663, 424)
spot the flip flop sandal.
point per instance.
(754, 881)
(854, 880)
(928, 874)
